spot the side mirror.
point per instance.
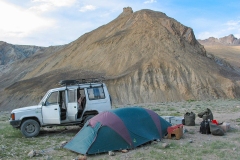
(43, 104)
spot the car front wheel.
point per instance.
(30, 128)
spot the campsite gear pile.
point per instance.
(176, 131)
(118, 129)
(210, 125)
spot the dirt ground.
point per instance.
(193, 144)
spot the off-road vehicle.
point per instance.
(72, 104)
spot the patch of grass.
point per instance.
(173, 145)
(171, 109)
(221, 145)
(238, 120)
(139, 154)
(9, 132)
(156, 109)
(29, 142)
(183, 106)
(234, 130)
(206, 151)
(235, 109)
(237, 139)
(176, 114)
(191, 100)
(4, 118)
(191, 132)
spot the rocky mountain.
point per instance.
(226, 41)
(10, 53)
(145, 57)
(17, 60)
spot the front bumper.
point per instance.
(15, 123)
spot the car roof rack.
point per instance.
(91, 80)
(68, 82)
(81, 81)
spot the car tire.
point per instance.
(30, 128)
(87, 118)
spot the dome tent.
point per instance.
(123, 128)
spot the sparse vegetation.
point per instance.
(193, 144)
(156, 109)
(191, 100)
(238, 120)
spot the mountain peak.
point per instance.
(229, 40)
(127, 10)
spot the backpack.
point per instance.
(205, 127)
(189, 119)
(205, 115)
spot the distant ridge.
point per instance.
(225, 51)
(227, 41)
(10, 53)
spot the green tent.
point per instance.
(118, 129)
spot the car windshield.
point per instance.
(42, 100)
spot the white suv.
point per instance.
(73, 104)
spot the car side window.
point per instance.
(52, 99)
(95, 93)
(72, 96)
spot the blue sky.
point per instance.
(57, 22)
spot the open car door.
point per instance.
(51, 109)
(72, 108)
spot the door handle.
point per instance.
(74, 106)
(55, 109)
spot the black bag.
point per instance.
(206, 115)
(205, 127)
(183, 121)
(189, 119)
(216, 129)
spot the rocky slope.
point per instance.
(225, 51)
(145, 56)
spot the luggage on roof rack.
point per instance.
(80, 81)
(68, 82)
(91, 80)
